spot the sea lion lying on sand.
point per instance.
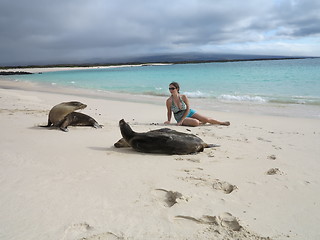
(78, 119)
(122, 143)
(164, 140)
(59, 111)
(62, 115)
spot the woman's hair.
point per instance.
(176, 85)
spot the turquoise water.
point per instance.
(274, 81)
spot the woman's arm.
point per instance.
(169, 113)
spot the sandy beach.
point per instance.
(261, 183)
(56, 69)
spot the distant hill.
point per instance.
(186, 58)
(199, 57)
(192, 57)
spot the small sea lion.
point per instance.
(165, 141)
(59, 111)
(78, 119)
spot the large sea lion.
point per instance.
(122, 143)
(60, 111)
(165, 140)
(78, 119)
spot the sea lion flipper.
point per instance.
(96, 125)
(48, 125)
(65, 123)
(64, 129)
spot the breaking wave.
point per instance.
(270, 99)
(244, 98)
(197, 94)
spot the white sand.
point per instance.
(56, 69)
(76, 185)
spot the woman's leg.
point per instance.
(204, 120)
(192, 122)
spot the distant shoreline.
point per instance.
(146, 63)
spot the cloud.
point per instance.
(40, 31)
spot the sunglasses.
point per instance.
(172, 88)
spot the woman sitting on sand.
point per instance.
(179, 105)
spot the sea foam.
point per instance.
(245, 98)
(196, 94)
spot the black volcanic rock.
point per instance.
(14, 73)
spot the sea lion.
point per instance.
(165, 141)
(122, 143)
(59, 111)
(78, 119)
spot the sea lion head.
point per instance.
(126, 131)
(76, 105)
(122, 143)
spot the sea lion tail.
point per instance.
(211, 145)
(64, 129)
(48, 125)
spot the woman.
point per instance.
(179, 105)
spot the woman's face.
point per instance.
(172, 89)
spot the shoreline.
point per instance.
(202, 104)
(91, 190)
(39, 69)
(132, 64)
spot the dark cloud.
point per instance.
(37, 31)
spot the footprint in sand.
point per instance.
(169, 198)
(211, 154)
(224, 220)
(104, 236)
(262, 139)
(76, 230)
(272, 157)
(276, 147)
(224, 226)
(224, 186)
(274, 171)
(229, 221)
(190, 159)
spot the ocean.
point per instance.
(278, 83)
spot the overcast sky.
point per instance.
(60, 31)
